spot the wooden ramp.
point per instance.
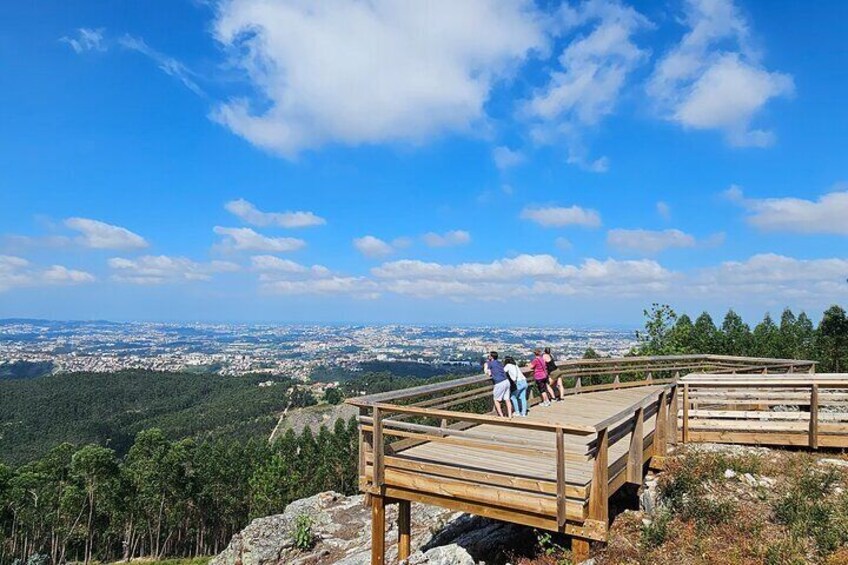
(555, 469)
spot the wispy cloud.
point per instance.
(166, 63)
(559, 216)
(246, 239)
(100, 235)
(85, 39)
(249, 213)
(447, 239)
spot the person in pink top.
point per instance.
(540, 375)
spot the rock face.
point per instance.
(342, 529)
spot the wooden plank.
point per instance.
(634, 457)
(486, 495)
(671, 435)
(814, 416)
(485, 419)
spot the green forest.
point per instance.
(105, 467)
(791, 337)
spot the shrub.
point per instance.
(655, 533)
(304, 537)
(807, 509)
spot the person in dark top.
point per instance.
(501, 381)
(551, 366)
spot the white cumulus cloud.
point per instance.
(714, 78)
(246, 211)
(373, 247)
(349, 72)
(447, 239)
(17, 272)
(159, 269)
(100, 235)
(246, 239)
(827, 214)
(558, 216)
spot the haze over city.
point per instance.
(517, 163)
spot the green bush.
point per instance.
(304, 537)
(655, 533)
(807, 509)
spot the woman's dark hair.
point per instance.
(509, 361)
(494, 354)
(548, 350)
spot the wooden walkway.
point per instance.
(556, 469)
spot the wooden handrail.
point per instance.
(486, 419)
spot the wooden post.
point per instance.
(814, 416)
(578, 383)
(598, 495)
(661, 427)
(404, 529)
(634, 457)
(685, 412)
(378, 530)
(650, 376)
(812, 369)
(379, 462)
(616, 381)
(560, 470)
(671, 436)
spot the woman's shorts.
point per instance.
(501, 391)
(542, 384)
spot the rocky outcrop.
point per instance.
(341, 528)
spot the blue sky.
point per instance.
(478, 162)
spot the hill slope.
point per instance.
(110, 408)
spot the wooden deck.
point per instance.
(556, 469)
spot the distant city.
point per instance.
(298, 351)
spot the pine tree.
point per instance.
(705, 338)
(735, 335)
(832, 339)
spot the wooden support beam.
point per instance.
(378, 530)
(671, 436)
(634, 457)
(598, 495)
(404, 529)
(578, 383)
(560, 471)
(661, 429)
(363, 445)
(685, 413)
(814, 416)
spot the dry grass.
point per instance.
(795, 512)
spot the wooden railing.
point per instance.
(744, 409)
(440, 444)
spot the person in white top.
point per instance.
(519, 390)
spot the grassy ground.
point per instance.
(734, 506)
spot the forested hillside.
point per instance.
(111, 408)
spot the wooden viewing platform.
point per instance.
(441, 445)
